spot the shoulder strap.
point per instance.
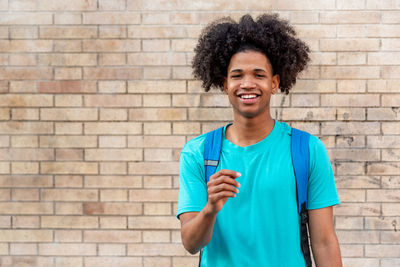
(212, 151)
(301, 164)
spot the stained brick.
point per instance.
(99, 208)
(111, 18)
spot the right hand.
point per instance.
(222, 185)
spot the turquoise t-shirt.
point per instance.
(260, 226)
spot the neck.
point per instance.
(248, 131)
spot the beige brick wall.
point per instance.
(97, 99)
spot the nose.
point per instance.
(247, 82)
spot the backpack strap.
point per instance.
(301, 164)
(212, 151)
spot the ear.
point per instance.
(275, 83)
(225, 85)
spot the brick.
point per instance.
(149, 168)
(67, 18)
(157, 114)
(390, 72)
(156, 249)
(354, 128)
(69, 168)
(381, 223)
(5, 195)
(76, 249)
(26, 100)
(68, 128)
(112, 100)
(303, 17)
(351, 195)
(157, 209)
(153, 195)
(156, 236)
(69, 154)
(217, 114)
(63, 208)
(24, 167)
(383, 31)
(68, 181)
(67, 45)
(113, 222)
(4, 114)
(157, 128)
(156, 59)
(67, 32)
(67, 87)
(104, 73)
(5, 221)
(71, 222)
(383, 114)
(350, 168)
(114, 168)
(315, 86)
(117, 32)
(315, 31)
(355, 154)
(358, 4)
(112, 87)
(384, 58)
(357, 45)
(156, 32)
(113, 195)
(26, 222)
(350, 17)
(74, 5)
(26, 154)
(9, 261)
(25, 194)
(5, 141)
(112, 4)
(113, 154)
(186, 128)
(112, 141)
(100, 208)
(154, 72)
(383, 168)
(22, 60)
(308, 114)
(358, 209)
(155, 18)
(352, 86)
(113, 261)
(112, 250)
(304, 5)
(69, 195)
(112, 128)
(382, 251)
(113, 181)
(23, 87)
(111, 45)
(69, 114)
(391, 182)
(391, 100)
(13, 73)
(23, 249)
(159, 100)
(350, 114)
(111, 18)
(26, 18)
(112, 59)
(5, 168)
(25, 114)
(193, 100)
(157, 182)
(114, 236)
(158, 142)
(390, 154)
(157, 45)
(23, 5)
(68, 101)
(68, 141)
(26, 236)
(185, 18)
(157, 262)
(358, 182)
(390, 209)
(66, 59)
(158, 154)
(354, 237)
(156, 87)
(352, 58)
(360, 262)
(113, 114)
(25, 181)
(390, 128)
(383, 141)
(349, 223)
(390, 262)
(69, 262)
(390, 44)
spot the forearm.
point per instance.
(327, 254)
(197, 232)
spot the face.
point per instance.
(250, 83)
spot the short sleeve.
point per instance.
(192, 184)
(321, 187)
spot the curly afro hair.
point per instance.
(269, 35)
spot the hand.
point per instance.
(222, 185)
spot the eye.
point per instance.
(260, 75)
(236, 76)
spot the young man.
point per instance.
(246, 215)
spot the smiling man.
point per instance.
(246, 214)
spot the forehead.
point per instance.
(249, 60)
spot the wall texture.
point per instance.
(97, 99)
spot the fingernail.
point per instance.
(238, 185)
(238, 174)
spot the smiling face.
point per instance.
(250, 83)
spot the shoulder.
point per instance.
(195, 145)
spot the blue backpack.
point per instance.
(301, 162)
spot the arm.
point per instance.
(324, 243)
(197, 227)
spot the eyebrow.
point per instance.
(240, 70)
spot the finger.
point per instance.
(221, 195)
(222, 187)
(225, 172)
(223, 179)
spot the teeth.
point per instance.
(248, 96)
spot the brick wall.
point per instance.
(97, 99)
